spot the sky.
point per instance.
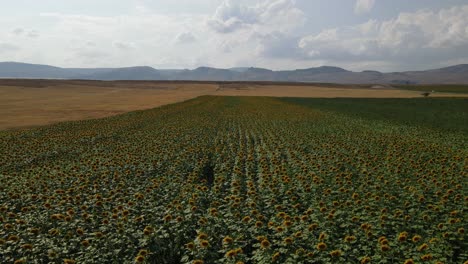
(384, 35)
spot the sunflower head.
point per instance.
(227, 240)
(365, 260)
(321, 246)
(204, 243)
(416, 238)
(265, 244)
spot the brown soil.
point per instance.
(29, 103)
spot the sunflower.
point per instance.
(265, 244)
(34, 231)
(167, 218)
(27, 246)
(365, 260)
(143, 252)
(385, 247)
(80, 231)
(300, 251)
(416, 238)
(312, 227)
(148, 230)
(190, 246)
(204, 243)
(13, 238)
(366, 226)
(281, 214)
(461, 230)
(423, 247)
(139, 259)
(288, 240)
(258, 224)
(227, 240)
(231, 253)
(409, 261)
(321, 246)
(426, 257)
(202, 236)
(322, 236)
(383, 240)
(85, 243)
(275, 256)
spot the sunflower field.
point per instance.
(241, 180)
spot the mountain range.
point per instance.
(457, 74)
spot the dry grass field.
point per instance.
(29, 103)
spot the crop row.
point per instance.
(231, 180)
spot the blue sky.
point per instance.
(386, 35)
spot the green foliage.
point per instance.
(436, 114)
(237, 179)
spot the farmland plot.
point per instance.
(239, 180)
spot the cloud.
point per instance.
(231, 16)
(148, 36)
(363, 6)
(278, 45)
(8, 47)
(33, 34)
(420, 37)
(259, 32)
(18, 31)
(277, 15)
(122, 45)
(184, 38)
(25, 32)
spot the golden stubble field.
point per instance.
(29, 103)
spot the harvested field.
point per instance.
(29, 103)
(32, 106)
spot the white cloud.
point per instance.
(8, 47)
(278, 45)
(184, 38)
(33, 34)
(85, 40)
(422, 36)
(264, 33)
(123, 45)
(277, 15)
(18, 31)
(363, 6)
(231, 16)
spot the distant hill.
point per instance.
(20, 70)
(129, 73)
(457, 74)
